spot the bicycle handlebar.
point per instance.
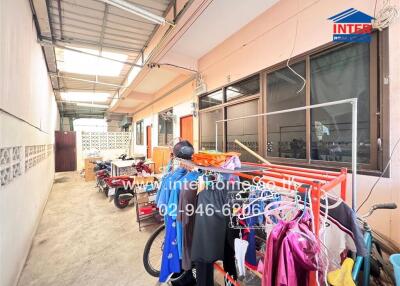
(390, 206)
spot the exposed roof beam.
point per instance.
(79, 25)
(50, 19)
(44, 43)
(103, 28)
(66, 10)
(82, 105)
(81, 21)
(60, 18)
(52, 35)
(86, 90)
(94, 44)
(87, 80)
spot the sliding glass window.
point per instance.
(139, 132)
(245, 130)
(321, 136)
(340, 74)
(211, 99)
(165, 127)
(286, 133)
(243, 88)
(207, 130)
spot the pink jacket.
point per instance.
(291, 253)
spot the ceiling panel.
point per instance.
(156, 79)
(223, 18)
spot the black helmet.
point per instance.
(183, 149)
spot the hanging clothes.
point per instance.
(170, 262)
(210, 231)
(164, 191)
(292, 252)
(240, 254)
(257, 207)
(204, 274)
(341, 231)
(188, 196)
(174, 203)
(213, 239)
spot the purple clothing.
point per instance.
(232, 163)
(291, 253)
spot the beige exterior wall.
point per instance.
(268, 40)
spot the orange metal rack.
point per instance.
(317, 181)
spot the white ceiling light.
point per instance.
(129, 7)
(92, 105)
(75, 62)
(75, 96)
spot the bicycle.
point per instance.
(375, 267)
(152, 255)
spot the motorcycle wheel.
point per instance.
(120, 203)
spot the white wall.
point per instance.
(106, 153)
(114, 126)
(28, 117)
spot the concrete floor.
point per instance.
(83, 239)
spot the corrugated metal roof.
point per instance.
(93, 24)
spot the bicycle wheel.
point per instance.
(153, 249)
(381, 268)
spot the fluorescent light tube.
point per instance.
(92, 105)
(77, 96)
(129, 7)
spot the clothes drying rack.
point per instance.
(354, 123)
(317, 182)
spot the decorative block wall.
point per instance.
(16, 160)
(105, 140)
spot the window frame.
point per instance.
(374, 78)
(236, 101)
(140, 135)
(379, 108)
(165, 143)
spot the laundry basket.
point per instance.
(395, 260)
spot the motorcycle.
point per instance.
(103, 171)
(120, 189)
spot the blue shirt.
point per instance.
(170, 262)
(163, 193)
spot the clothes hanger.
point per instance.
(279, 211)
(265, 195)
(272, 196)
